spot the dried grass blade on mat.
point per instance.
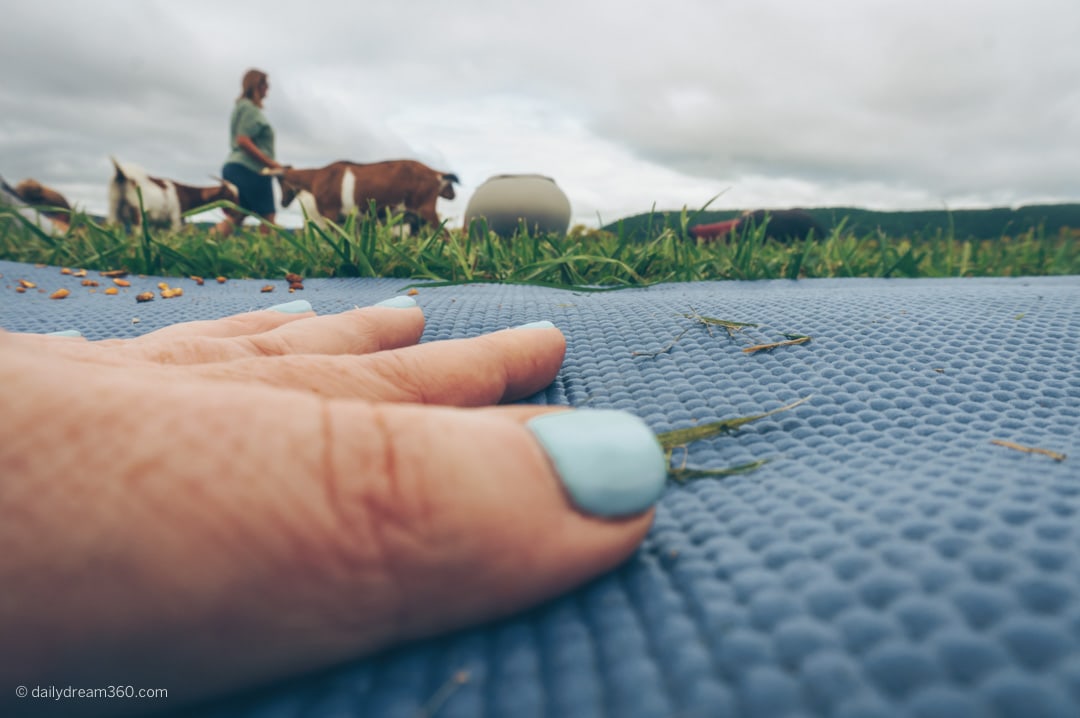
(1029, 449)
(671, 440)
(680, 437)
(729, 326)
(708, 322)
(682, 475)
(792, 340)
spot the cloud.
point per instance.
(963, 98)
(873, 102)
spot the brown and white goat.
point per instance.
(336, 190)
(163, 200)
(34, 193)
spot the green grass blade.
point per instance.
(680, 437)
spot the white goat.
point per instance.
(163, 200)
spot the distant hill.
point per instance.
(965, 223)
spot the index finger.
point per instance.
(357, 331)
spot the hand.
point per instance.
(222, 503)
(248, 145)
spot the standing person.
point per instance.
(251, 140)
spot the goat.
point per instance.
(41, 197)
(34, 193)
(163, 200)
(784, 225)
(339, 188)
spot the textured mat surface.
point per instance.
(889, 560)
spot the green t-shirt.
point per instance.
(248, 119)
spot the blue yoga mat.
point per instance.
(889, 559)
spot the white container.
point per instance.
(506, 201)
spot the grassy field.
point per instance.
(362, 247)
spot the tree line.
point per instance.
(992, 223)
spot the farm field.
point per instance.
(654, 248)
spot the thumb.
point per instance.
(472, 514)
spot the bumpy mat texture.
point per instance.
(888, 560)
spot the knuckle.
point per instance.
(396, 371)
(380, 517)
(269, 344)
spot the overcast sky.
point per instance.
(773, 103)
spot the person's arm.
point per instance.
(249, 146)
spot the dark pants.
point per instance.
(256, 190)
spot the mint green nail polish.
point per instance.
(398, 302)
(297, 306)
(543, 324)
(609, 461)
(65, 333)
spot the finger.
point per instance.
(234, 326)
(481, 512)
(311, 530)
(494, 368)
(31, 340)
(387, 325)
(358, 331)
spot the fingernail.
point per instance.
(65, 333)
(297, 306)
(398, 302)
(609, 461)
(543, 324)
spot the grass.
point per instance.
(362, 247)
(585, 258)
(678, 439)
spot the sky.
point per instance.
(883, 104)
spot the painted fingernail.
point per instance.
(398, 302)
(297, 306)
(65, 333)
(543, 324)
(609, 461)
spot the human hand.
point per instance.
(219, 504)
